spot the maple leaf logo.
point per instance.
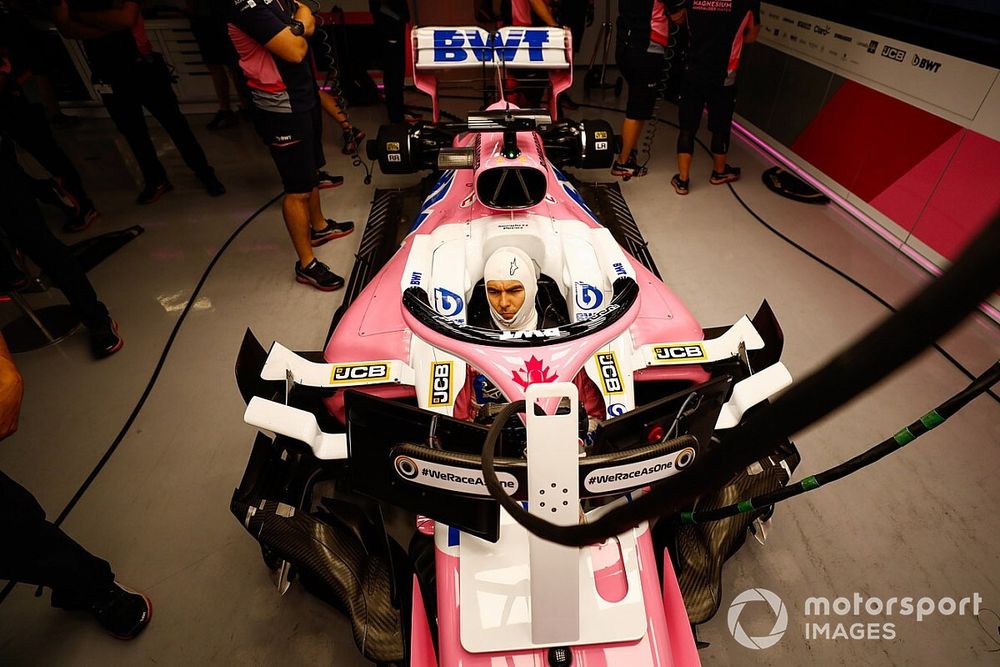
(534, 371)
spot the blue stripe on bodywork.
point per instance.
(439, 192)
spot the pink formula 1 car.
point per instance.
(375, 445)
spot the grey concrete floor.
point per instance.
(922, 523)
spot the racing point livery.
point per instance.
(375, 424)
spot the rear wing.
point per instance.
(438, 47)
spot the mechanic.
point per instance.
(271, 39)
(121, 56)
(528, 85)
(209, 27)
(718, 29)
(511, 280)
(639, 52)
(36, 551)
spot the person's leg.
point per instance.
(297, 210)
(721, 105)
(158, 96)
(37, 552)
(640, 72)
(220, 81)
(689, 111)
(125, 110)
(392, 35)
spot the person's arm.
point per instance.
(265, 28)
(122, 17)
(541, 8)
(11, 392)
(305, 15)
(70, 28)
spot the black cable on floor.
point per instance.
(152, 380)
(944, 353)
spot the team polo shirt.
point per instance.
(275, 84)
(717, 37)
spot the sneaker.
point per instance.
(327, 181)
(680, 186)
(123, 612)
(213, 186)
(352, 141)
(727, 175)
(319, 276)
(87, 216)
(629, 169)
(104, 339)
(50, 191)
(152, 193)
(222, 119)
(333, 230)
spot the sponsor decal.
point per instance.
(441, 395)
(588, 297)
(683, 353)
(450, 478)
(821, 30)
(415, 278)
(534, 371)
(359, 373)
(447, 302)
(924, 63)
(616, 409)
(600, 134)
(611, 377)
(872, 46)
(892, 53)
(614, 478)
(393, 157)
(619, 269)
(554, 332)
(392, 146)
(843, 38)
(600, 145)
(804, 25)
(788, 20)
(455, 46)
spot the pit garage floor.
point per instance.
(922, 523)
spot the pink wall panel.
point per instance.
(968, 194)
(904, 200)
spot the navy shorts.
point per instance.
(296, 143)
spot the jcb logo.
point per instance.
(441, 372)
(360, 373)
(607, 365)
(892, 53)
(679, 353)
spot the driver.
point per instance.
(511, 279)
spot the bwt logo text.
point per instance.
(454, 46)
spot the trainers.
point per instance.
(104, 339)
(213, 186)
(222, 119)
(85, 218)
(727, 175)
(680, 186)
(629, 169)
(352, 141)
(333, 230)
(319, 276)
(152, 193)
(327, 181)
(122, 612)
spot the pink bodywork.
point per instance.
(377, 326)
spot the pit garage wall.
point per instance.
(908, 135)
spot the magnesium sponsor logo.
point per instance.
(360, 373)
(683, 353)
(892, 53)
(777, 607)
(611, 377)
(923, 63)
(842, 37)
(614, 478)
(442, 385)
(449, 478)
